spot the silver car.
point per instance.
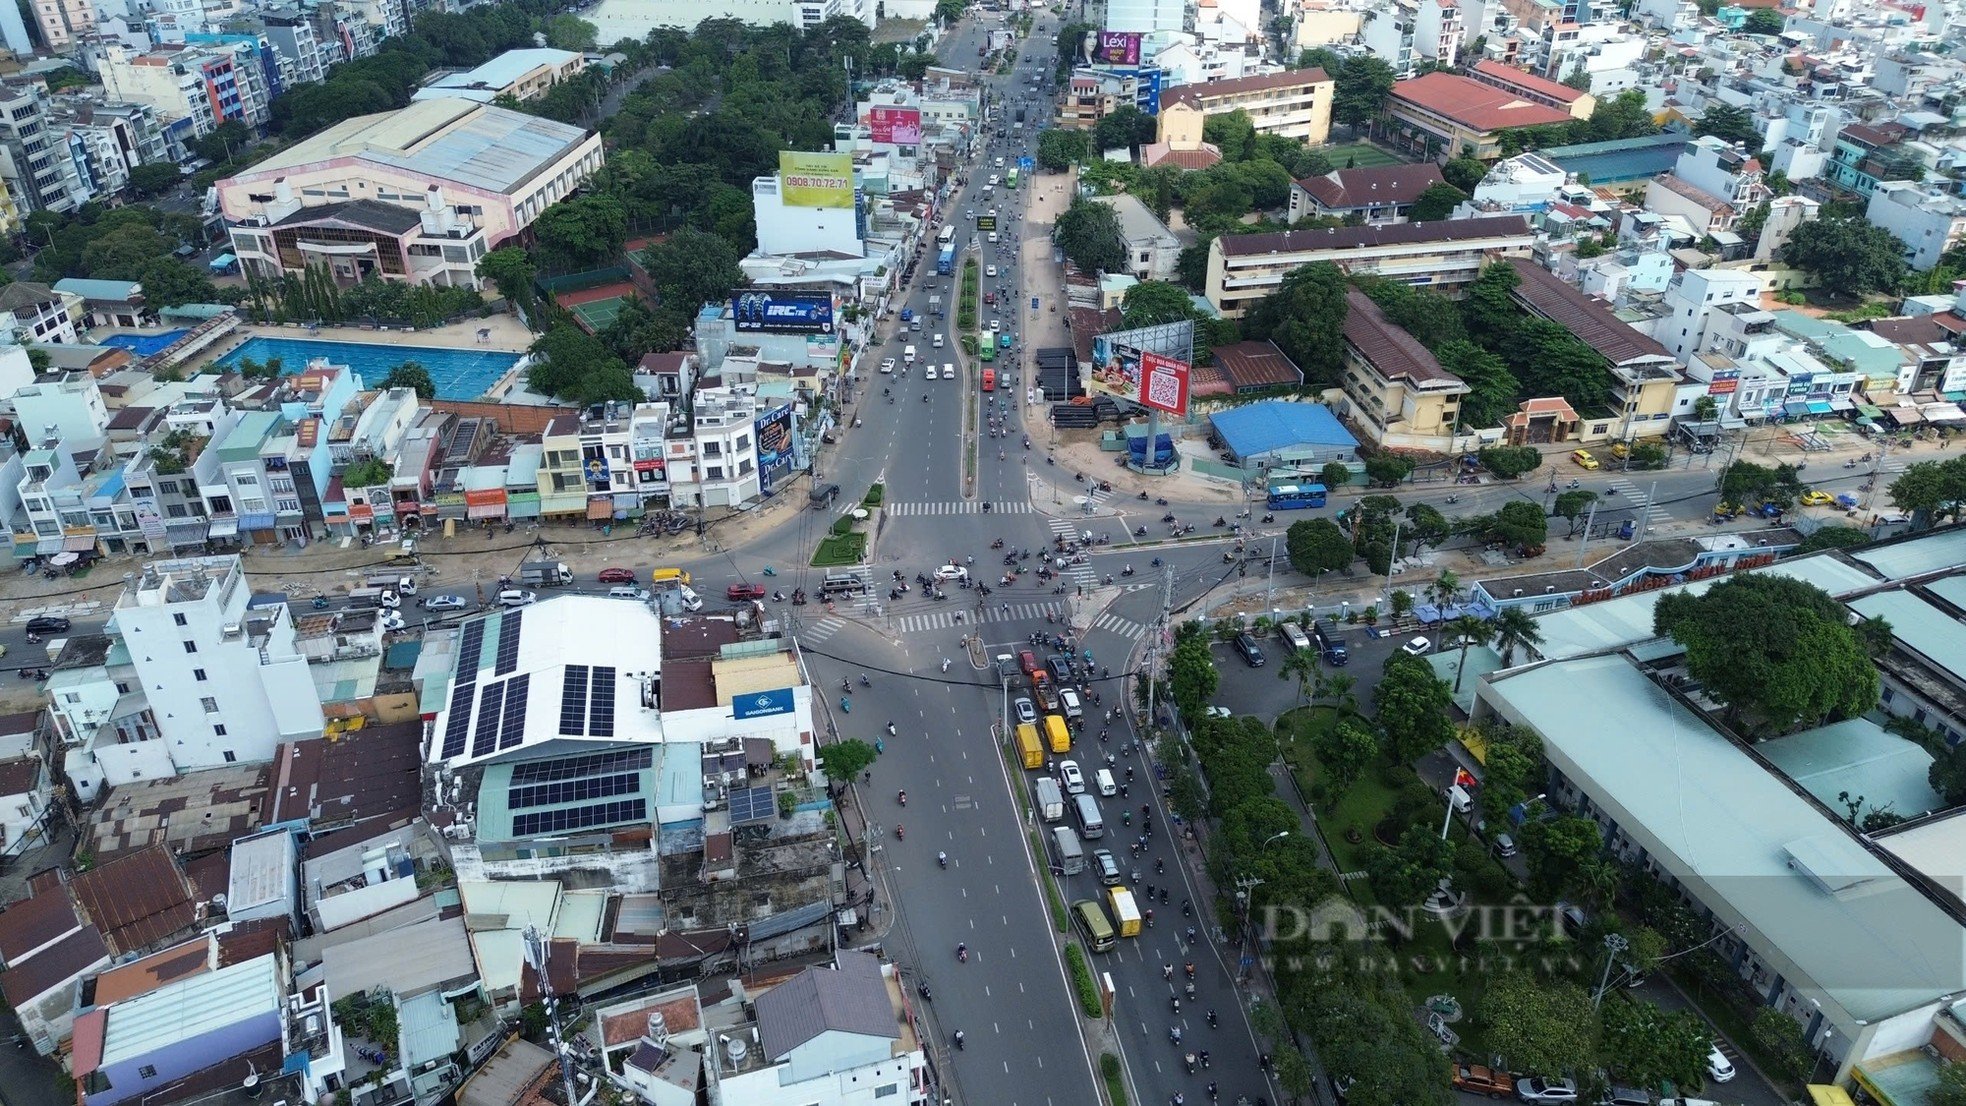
(444, 603)
(1026, 713)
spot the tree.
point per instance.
(1466, 631)
(1301, 665)
(844, 761)
(1412, 705)
(1773, 648)
(1510, 462)
(509, 268)
(1464, 173)
(1059, 149)
(1192, 677)
(1345, 750)
(1232, 132)
(1089, 234)
(582, 231)
(1763, 21)
(1409, 871)
(570, 32)
(692, 268)
(1931, 491)
(1387, 470)
(1747, 483)
(1360, 89)
(1646, 1045)
(1153, 302)
(1335, 475)
(1947, 774)
(1558, 850)
(1574, 506)
(1436, 203)
(1425, 526)
(1493, 389)
(1520, 524)
(369, 473)
(1489, 309)
(1515, 628)
(1847, 254)
(154, 179)
(1305, 317)
(1729, 123)
(1317, 546)
(168, 282)
(1540, 1025)
(1784, 1048)
(413, 376)
(1122, 129)
(1832, 537)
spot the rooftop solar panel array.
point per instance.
(573, 791)
(573, 701)
(512, 730)
(589, 764)
(508, 643)
(600, 703)
(751, 804)
(470, 647)
(570, 819)
(457, 722)
(484, 739)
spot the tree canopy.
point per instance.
(1305, 317)
(413, 376)
(1089, 233)
(1847, 254)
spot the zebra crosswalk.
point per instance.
(958, 507)
(945, 618)
(822, 629)
(1632, 497)
(1073, 576)
(1123, 627)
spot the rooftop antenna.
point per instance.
(535, 949)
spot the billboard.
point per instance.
(1117, 48)
(815, 180)
(1148, 367)
(762, 704)
(594, 462)
(901, 126)
(774, 429)
(764, 311)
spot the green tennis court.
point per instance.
(597, 314)
(1360, 155)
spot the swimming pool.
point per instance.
(143, 345)
(458, 373)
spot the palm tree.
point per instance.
(1514, 628)
(1303, 664)
(1337, 687)
(1441, 591)
(1468, 630)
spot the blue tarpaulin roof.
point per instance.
(1274, 425)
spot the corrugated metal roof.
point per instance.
(446, 140)
(408, 960)
(1589, 320)
(190, 1008)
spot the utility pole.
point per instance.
(1160, 634)
(1270, 588)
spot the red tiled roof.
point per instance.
(1373, 184)
(1257, 365)
(1192, 160)
(1542, 86)
(1194, 94)
(1589, 320)
(1394, 353)
(1474, 105)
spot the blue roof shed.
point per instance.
(1275, 430)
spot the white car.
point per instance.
(948, 372)
(392, 623)
(995, 325)
(1546, 1092)
(993, 176)
(1418, 647)
(1221, 712)
(444, 603)
(1719, 1068)
(999, 164)
(970, 214)
(887, 365)
(1026, 713)
(993, 236)
(1068, 771)
(928, 373)
(990, 270)
(952, 572)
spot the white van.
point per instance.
(515, 597)
(1294, 634)
(908, 356)
(948, 372)
(628, 591)
(1104, 778)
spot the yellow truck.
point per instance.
(1061, 738)
(1126, 914)
(669, 578)
(1028, 747)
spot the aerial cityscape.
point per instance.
(848, 552)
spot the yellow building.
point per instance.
(1645, 378)
(1295, 104)
(1395, 391)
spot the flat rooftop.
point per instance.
(447, 139)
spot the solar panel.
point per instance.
(600, 703)
(512, 729)
(752, 804)
(587, 764)
(470, 647)
(569, 819)
(573, 700)
(458, 723)
(508, 643)
(484, 739)
(573, 791)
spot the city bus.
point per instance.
(989, 380)
(1010, 177)
(947, 236)
(988, 352)
(1291, 497)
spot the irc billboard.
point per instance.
(901, 126)
(815, 180)
(1148, 367)
(764, 311)
(1117, 48)
(774, 429)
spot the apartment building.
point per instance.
(1408, 32)
(1927, 219)
(419, 194)
(208, 85)
(1866, 153)
(1445, 115)
(38, 167)
(1645, 378)
(1690, 304)
(294, 38)
(1244, 268)
(1294, 104)
(605, 465)
(64, 23)
(1146, 16)
(1394, 389)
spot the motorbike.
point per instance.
(1127, 571)
(1139, 531)
(1220, 521)
(901, 796)
(922, 990)
(942, 859)
(962, 954)
(998, 544)
(899, 833)
(320, 603)
(1269, 518)
(1168, 517)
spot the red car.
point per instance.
(617, 576)
(744, 591)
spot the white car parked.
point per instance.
(887, 365)
(1418, 647)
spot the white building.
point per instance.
(1515, 185)
(1146, 16)
(1151, 248)
(720, 467)
(619, 19)
(831, 1037)
(70, 410)
(1690, 302)
(1712, 165)
(1928, 220)
(1407, 32)
(785, 231)
(225, 685)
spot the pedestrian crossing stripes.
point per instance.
(1078, 577)
(1632, 498)
(822, 629)
(946, 618)
(1124, 627)
(959, 507)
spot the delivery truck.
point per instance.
(1126, 913)
(545, 574)
(1050, 800)
(1029, 750)
(1071, 854)
(1061, 738)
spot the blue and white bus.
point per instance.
(1291, 497)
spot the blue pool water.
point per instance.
(458, 373)
(143, 345)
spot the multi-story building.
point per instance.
(717, 464)
(1927, 219)
(606, 464)
(1373, 194)
(1294, 104)
(293, 35)
(1395, 390)
(225, 683)
(251, 47)
(63, 22)
(1408, 32)
(1537, 90)
(1645, 379)
(419, 194)
(1146, 16)
(1151, 248)
(208, 85)
(35, 313)
(1244, 268)
(343, 34)
(133, 132)
(1726, 171)
(38, 167)
(245, 476)
(521, 74)
(1866, 153)
(385, 18)
(1445, 115)
(1690, 302)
